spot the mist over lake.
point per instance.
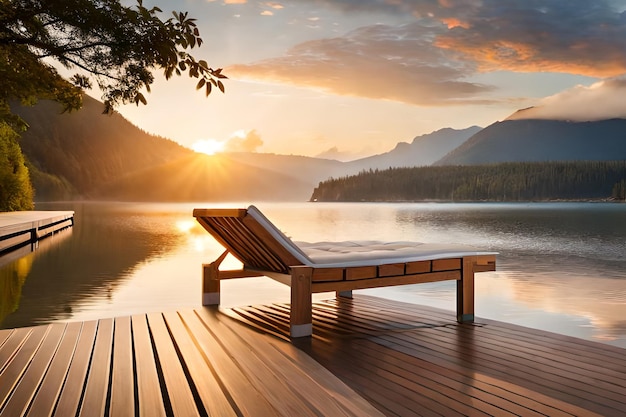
(561, 265)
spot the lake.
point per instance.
(561, 265)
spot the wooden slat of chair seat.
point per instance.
(243, 244)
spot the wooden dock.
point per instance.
(22, 228)
(368, 357)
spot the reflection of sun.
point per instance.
(185, 225)
(208, 146)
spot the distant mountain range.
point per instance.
(424, 150)
(536, 140)
(89, 155)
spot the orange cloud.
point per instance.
(452, 22)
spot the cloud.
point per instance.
(380, 62)
(242, 141)
(431, 60)
(602, 100)
(575, 36)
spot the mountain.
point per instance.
(86, 148)
(303, 168)
(424, 150)
(86, 154)
(537, 140)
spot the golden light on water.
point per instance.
(185, 226)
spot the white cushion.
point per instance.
(364, 252)
(370, 252)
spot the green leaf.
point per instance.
(200, 84)
(208, 89)
(220, 85)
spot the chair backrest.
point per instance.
(251, 238)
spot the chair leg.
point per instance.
(210, 285)
(465, 292)
(301, 317)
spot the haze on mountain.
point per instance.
(579, 124)
(424, 150)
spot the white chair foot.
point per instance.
(301, 330)
(211, 299)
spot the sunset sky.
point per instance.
(351, 78)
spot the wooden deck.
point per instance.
(368, 357)
(193, 363)
(22, 228)
(410, 360)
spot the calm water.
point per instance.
(561, 265)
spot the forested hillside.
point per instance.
(72, 153)
(496, 182)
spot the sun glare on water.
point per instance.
(208, 146)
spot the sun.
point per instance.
(208, 146)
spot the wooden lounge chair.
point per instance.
(332, 266)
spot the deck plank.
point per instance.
(48, 393)
(395, 353)
(177, 386)
(216, 401)
(259, 374)
(11, 345)
(35, 372)
(71, 393)
(122, 378)
(97, 387)
(149, 396)
(244, 394)
(281, 380)
(17, 365)
(379, 357)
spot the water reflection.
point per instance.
(106, 243)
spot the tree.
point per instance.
(116, 46)
(16, 192)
